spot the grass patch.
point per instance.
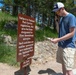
(6, 17)
(8, 54)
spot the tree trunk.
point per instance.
(28, 10)
(15, 10)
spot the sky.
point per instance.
(1, 1)
(1, 4)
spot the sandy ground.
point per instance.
(49, 68)
(6, 69)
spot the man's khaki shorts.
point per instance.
(66, 56)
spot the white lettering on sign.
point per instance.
(22, 18)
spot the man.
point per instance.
(66, 39)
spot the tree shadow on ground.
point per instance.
(49, 72)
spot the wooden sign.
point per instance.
(25, 63)
(25, 42)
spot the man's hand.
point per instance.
(56, 40)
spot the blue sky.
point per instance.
(1, 4)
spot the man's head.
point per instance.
(58, 7)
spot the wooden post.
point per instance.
(25, 71)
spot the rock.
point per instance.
(36, 27)
(44, 51)
(7, 39)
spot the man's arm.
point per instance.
(65, 37)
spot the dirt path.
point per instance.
(42, 69)
(49, 68)
(6, 69)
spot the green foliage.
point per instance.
(8, 54)
(4, 18)
(8, 1)
(48, 32)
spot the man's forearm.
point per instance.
(67, 36)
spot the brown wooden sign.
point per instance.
(25, 42)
